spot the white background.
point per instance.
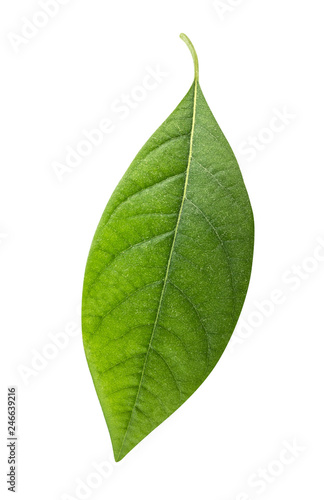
(258, 59)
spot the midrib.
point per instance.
(169, 261)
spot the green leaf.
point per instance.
(167, 273)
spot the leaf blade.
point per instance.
(151, 269)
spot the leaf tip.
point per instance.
(192, 49)
(121, 449)
(117, 453)
(118, 458)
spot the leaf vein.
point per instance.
(170, 256)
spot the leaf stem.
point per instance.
(193, 53)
